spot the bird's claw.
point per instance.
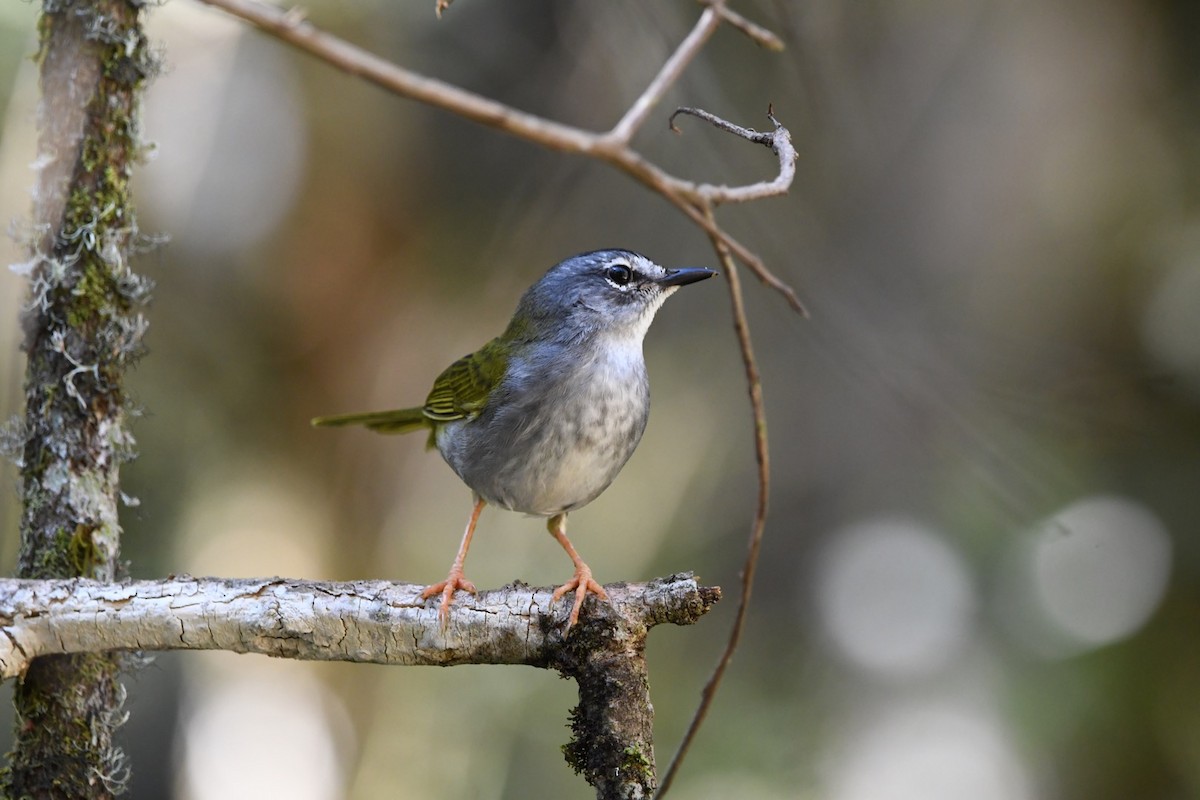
(454, 581)
(581, 584)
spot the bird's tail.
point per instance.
(402, 420)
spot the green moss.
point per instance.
(636, 762)
(82, 332)
(63, 740)
(66, 554)
(82, 550)
(609, 738)
(44, 25)
(115, 178)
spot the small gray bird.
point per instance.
(542, 418)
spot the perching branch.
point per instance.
(368, 621)
(382, 623)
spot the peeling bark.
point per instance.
(367, 621)
(383, 623)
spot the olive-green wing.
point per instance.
(402, 420)
(462, 390)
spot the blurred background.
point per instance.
(979, 578)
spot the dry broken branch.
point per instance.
(611, 146)
(757, 33)
(780, 142)
(674, 66)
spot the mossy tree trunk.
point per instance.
(83, 327)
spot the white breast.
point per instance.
(558, 449)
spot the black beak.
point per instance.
(685, 275)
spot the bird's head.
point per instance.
(616, 291)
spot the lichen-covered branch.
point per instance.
(382, 623)
(370, 621)
(83, 327)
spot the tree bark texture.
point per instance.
(83, 327)
(383, 623)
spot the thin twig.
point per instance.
(684, 54)
(610, 146)
(299, 32)
(682, 195)
(754, 386)
(760, 35)
(752, 261)
(780, 142)
(693, 198)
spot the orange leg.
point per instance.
(582, 583)
(456, 580)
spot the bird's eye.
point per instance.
(619, 274)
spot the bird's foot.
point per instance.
(581, 584)
(454, 581)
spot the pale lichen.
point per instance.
(83, 327)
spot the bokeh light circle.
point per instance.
(894, 598)
(931, 751)
(1100, 567)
